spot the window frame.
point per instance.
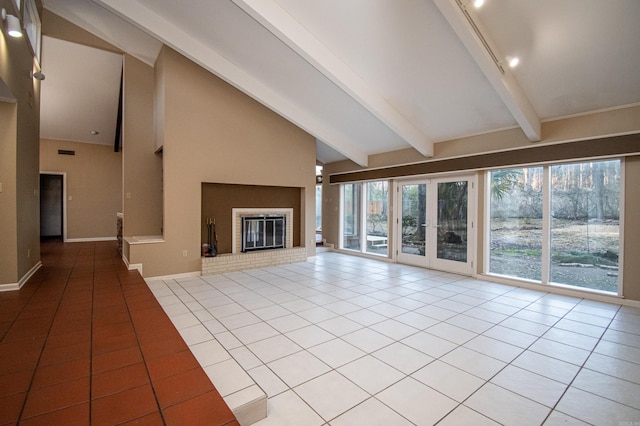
(546, 227)
(33, 28)
(361, 223)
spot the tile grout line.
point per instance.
(537, 336)
(44, 343)
(570, 384)
(144, 357)
(93, 299)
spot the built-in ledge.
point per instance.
(144, 239)
(258, 259)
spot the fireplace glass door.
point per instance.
(263, 232)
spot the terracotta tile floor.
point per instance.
(86, 342)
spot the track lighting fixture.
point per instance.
(13, 24)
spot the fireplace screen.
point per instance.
(263, 232)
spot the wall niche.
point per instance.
(218, 200)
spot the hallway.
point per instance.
(86, 342)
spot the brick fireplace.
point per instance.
(237, 261)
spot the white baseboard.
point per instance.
(132, 266)
(89, 240)
(563, 291)
(23, 280)
(174, 276)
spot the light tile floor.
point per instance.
(343, 340)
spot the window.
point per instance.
(319, 239)
(32, 27)
(365, 206)
(585, 225)
(453, 200)
(414, 213)
(377, 217)
(515, 223)
(351, 214)
(318, 207)
(557, 224)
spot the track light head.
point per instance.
(13, 24)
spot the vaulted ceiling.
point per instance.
(372, 76)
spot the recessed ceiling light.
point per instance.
(513, 61)
(478, 3)
(95, 132)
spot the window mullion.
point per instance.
(546, 224)
(363, 217)
(341, 221)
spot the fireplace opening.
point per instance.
(263, 232)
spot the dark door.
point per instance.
(50, 206)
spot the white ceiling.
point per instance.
(371, 76)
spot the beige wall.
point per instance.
(92, 211)
(8, 208)
(19, 139)
(141, 167)
(94, 186)
(631, 266)
(214, 133)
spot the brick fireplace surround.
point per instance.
(237, 261)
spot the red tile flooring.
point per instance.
(86, 342)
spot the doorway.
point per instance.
(51, 206)
(436, 224)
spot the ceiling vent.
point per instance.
(66, 152)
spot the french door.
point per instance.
(436, 223)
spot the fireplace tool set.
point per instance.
(211, 248)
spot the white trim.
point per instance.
(132, 266)
(623, 197)
(9, 287)
(486, 227)
(173, 277)
(89, 240)
(545, 271)
(365, 255)
(340, 245)
(23, 280)
(144, 239)
(587, 113)
(563, 291)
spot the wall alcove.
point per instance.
(219, 199)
